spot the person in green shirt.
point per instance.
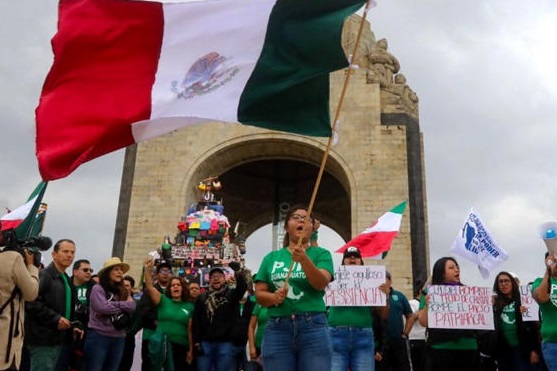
(516, 344)
(544, 291)
(296, 336)
(174, 312)
(351, 328)
(448, 349)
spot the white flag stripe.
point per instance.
(388, 222)
(245, 25)
(21, 212)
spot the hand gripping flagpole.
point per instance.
(351, 67)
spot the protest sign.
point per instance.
(526, 300)
(460, 307)
(356, 285)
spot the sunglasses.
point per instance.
(352, 249)
(86, 270)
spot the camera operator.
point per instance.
(19, 282)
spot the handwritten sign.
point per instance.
(532, 309)
(356, 286)
(460, 307)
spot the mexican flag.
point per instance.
(26, 218)
(375, 241)
(126, 71)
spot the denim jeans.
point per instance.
(549, 351)
(297, 342)
(353, 348)
(102, 353)
(43, 358)
(217, 356)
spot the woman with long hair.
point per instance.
(109, 303)
(174, 312)
(447, 349)
(351, 328)
(296, 336)
(516, 343)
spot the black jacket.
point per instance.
(43, 314)
(239, 333)
(145, 315)
(220, 327)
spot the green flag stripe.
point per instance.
(302, 46)
(25, 229)
(399, 209)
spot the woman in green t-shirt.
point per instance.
(447, 349)
(516, 345)
(351, 328)
(296, 336)
(174, 312)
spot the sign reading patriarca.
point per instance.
(356, 286)
(460, 307)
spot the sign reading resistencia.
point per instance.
(356, 285)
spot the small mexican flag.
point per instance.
(25, 218)
(375, 241)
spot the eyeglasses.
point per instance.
(298, 217)
(86, 270)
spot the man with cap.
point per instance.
(398, 326)
(212, 322)
(146, 313)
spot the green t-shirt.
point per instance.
(81, 291)
(301, 297)
(548, 312)
(507, 322)
(262, 318)
(463, 343)
(350, 316)
(172, 319)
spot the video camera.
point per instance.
(34, 245)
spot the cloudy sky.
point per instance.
(485, 76)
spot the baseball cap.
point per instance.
(216, 269)
(163, 264)
(352, 251)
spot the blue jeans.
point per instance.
(549, 351)
(353, 348)
(217, 356)
(297, 342)
(513, 359)
(102, 353)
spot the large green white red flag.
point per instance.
(126, 71)
(376, 240)
(24, 219)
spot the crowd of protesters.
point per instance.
(87, 322)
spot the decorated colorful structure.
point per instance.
(202, 239)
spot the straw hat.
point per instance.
(114, 261)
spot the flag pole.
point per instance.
(335, 123)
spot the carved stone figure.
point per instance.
(383, 65)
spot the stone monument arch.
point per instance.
(377, 163)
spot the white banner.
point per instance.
(356, 286)
(474, 242)
(460, 307)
